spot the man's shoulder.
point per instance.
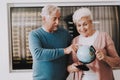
(35, 31)
(62, 29)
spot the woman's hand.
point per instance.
(112, 61)
(74, 48)
(100, 55)
(73, 68)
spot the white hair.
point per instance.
(49, 9)
(82, 12)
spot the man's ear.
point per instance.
(43, 18)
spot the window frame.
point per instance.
(78, 3)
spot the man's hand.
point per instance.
(71, 48)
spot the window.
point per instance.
(24, 19)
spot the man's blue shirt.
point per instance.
(49, 60)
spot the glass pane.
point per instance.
(25, 19)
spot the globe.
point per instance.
(86, 54)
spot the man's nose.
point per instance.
(57, 21)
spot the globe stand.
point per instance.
(83, 67)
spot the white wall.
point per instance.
(5, 74)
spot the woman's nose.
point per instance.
(82, 28)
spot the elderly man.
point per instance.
(49, 47)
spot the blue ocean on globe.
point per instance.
(86, 54)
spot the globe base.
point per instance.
(83, 67)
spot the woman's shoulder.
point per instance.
(75, 39)
(102, 33)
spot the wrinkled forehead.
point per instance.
(55, 14)
(85, 18)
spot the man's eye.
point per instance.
(59, 18)
(54, 19)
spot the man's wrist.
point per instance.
(67, 50)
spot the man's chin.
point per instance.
(55, 29)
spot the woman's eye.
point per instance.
(85, 24)
(79, 25)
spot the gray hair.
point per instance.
(49, 9)
(82, 12)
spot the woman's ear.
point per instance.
(91, 21)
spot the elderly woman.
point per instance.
(106, 55)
